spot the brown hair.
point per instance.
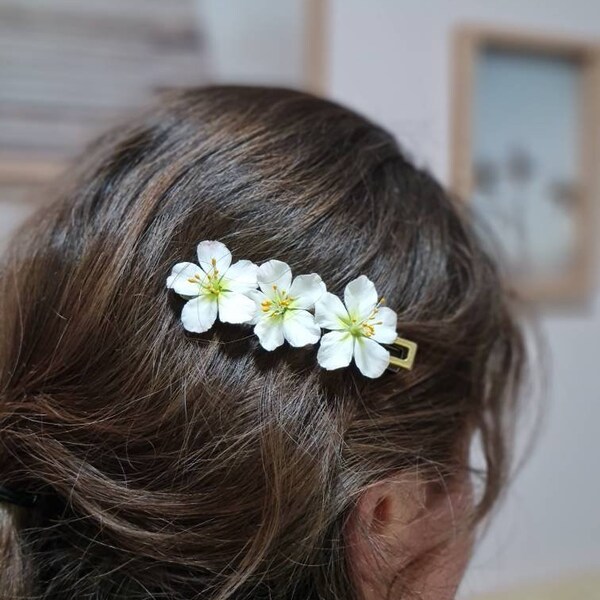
(173, 465)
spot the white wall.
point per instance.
(258, 42)
(391, 60)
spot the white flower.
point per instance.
(283, 306)
(216, 286)
(358, 329)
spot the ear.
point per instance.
(404, 534)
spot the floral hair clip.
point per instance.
(290, 309)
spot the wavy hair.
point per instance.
(173, 465)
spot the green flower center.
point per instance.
(366, 327)
(278, 304)
(363, 328)
(210, 283)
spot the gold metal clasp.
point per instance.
(409, 351)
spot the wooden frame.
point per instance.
(22, 170)
(317, 13)
(468, 42)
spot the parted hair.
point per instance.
(176, 465)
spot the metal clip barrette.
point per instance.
(407, 350)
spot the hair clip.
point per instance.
(282, 308)
(408, 350)
(17, 497)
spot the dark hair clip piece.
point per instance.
(19, 498)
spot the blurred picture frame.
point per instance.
(524, 149)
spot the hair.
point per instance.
(175, 465)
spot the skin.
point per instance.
(404, 538)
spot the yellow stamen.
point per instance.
(195, 278)
(368, 329)
(215, 273)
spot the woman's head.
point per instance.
(182, 466)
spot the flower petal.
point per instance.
(270, 332)
(236, 308)
(306, 290)
(258, 298)
(385, 333)
(300, 329)
(274, 273)
(330, 313)
(178, 279)
(335, 350)
(371, 358)
(198, 315)
(360, 297)
(209, 250)
(241, 276)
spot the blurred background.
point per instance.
(499, 99)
